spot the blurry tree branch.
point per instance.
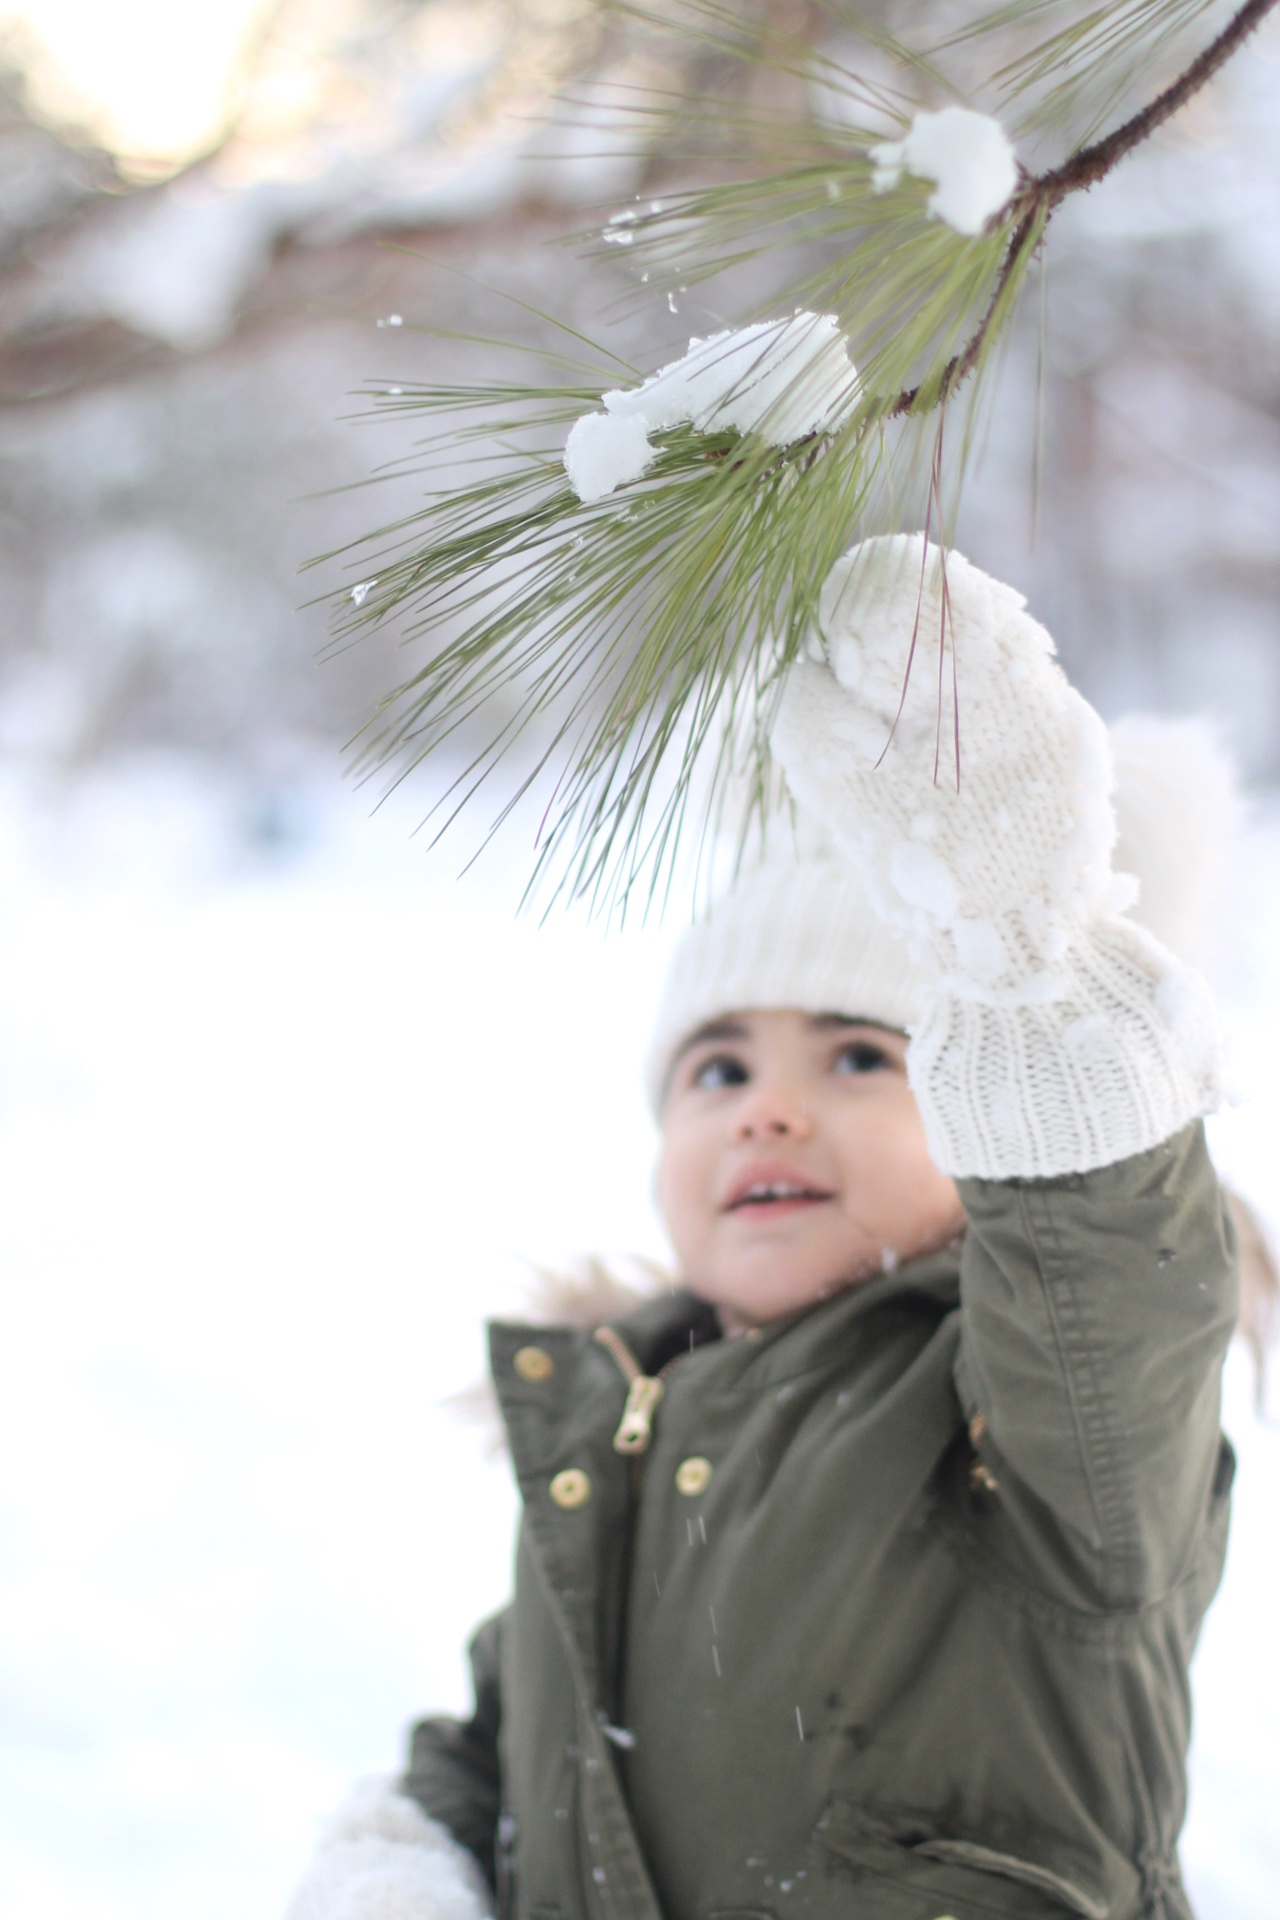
(1036, 199)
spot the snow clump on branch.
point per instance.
(967, 153)
(782, 379)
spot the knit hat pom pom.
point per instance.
(1178, 809)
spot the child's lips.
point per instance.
(773, 1196)
(778, 1209)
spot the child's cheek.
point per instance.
(686, 1187)
(675, 1187)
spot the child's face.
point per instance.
(793, 1162)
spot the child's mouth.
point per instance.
(773, 1198)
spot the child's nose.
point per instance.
(772, 1113)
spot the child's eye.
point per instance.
(722, 1070)
(862, 1056)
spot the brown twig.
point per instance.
(1039, 195)
(1091, 164)
(962, 364)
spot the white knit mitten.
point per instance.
(1059, 1035)
(381, 1858)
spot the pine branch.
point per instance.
(643, 634)
(1036, 201)
(1024, 240)
(1085, 169)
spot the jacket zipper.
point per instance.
(635, 1431)
(644, 1391)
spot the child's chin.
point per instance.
(793, 1223)
(774, 1294)
(802, 1242)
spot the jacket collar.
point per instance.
(676, 1322)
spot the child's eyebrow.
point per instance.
(826, 1022)
(713, 1030)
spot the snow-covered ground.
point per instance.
(283, 1105)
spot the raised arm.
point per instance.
(1096, 1311)
(1061, 1061)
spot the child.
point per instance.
(858, 1579)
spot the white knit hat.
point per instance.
(796, 929)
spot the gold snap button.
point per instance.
(693, 1474)
(570, 1489)
(533, 1364)
(977, 1427)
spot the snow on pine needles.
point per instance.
(967, 154)
(782, 379)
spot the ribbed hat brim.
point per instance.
(790, 934)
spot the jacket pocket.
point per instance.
(921, 1873)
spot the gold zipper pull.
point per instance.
(636, 1428)
(643, 1394)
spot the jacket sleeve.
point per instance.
(454, 1773)
(1095, 1312)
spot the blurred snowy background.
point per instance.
(284, 1102)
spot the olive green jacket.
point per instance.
(892, 1619)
